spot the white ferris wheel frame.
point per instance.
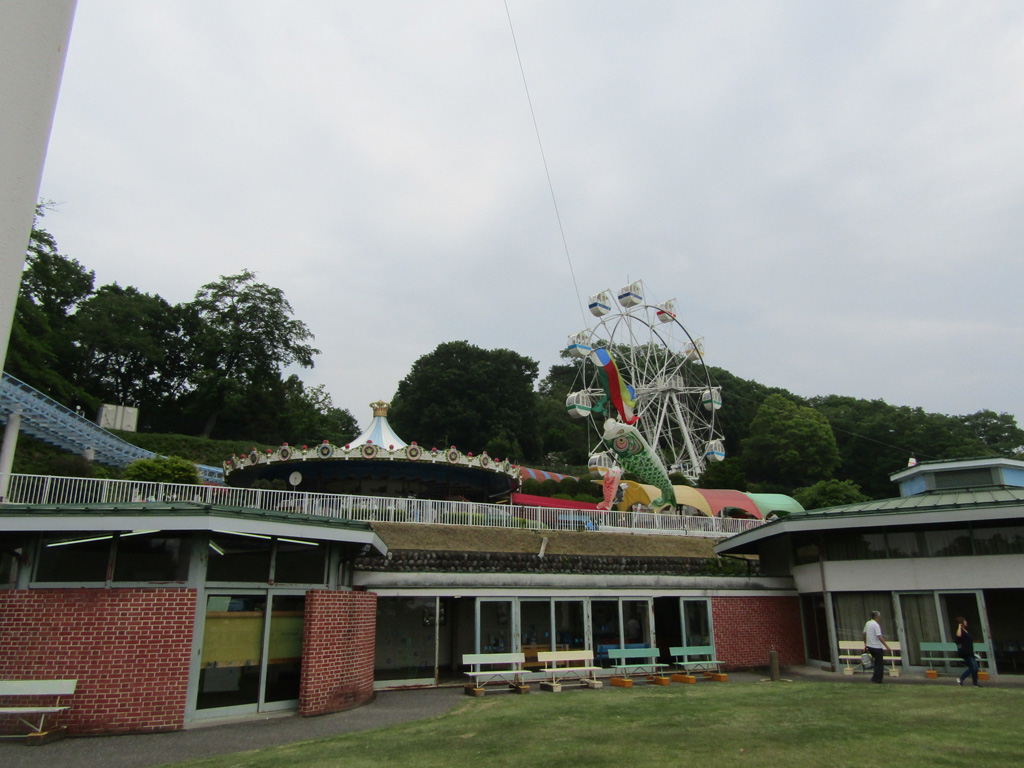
(671, 413)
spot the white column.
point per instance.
(7, 451)
(33, 44)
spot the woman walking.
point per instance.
(965, 649)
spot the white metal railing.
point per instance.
(48, 489)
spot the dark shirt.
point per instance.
(964, 644)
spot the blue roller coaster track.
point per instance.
(44, 419)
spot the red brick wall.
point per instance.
(747, 628)
(129, 649)
(337, 651)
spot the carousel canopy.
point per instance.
(379, 432)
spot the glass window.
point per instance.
(570, 634)
(236, 557)
(696, 622)
(299, 562)
(636, 616)
(76, 557)
(906, 543)
(406, 628)
(805, 549)
(495, 626)
(151, 556)
(947, 543)
(1001, 540)
(852, 610)
(854, 545)
(535, 630)
(604, 617)
(12, 547)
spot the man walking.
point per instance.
(874, 643)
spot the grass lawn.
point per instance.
(710, 724)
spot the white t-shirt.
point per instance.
(874, 634)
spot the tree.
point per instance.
(310, 416)
(829, 493)
(724, 474)
(133, 348)
(469, 397)
(998, 431)
(42, 351)
(789, 445)
(163, 469)
(245, 336)
(565, 440)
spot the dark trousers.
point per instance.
(877, 663)
(972, 669)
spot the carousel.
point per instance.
(378, 463)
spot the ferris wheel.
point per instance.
(663, 386)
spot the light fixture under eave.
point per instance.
(79, 541)
(248, 535)
(215, 548)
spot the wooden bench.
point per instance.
(37, 689)
(945, 654)
(632, 662)
(577, 665)
(709, 666)
(851, 651)
(495, 668)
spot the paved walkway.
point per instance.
(145, 750)
(388, 708)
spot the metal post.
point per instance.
(7, 452)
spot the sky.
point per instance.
(833, 193)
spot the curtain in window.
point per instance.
(920, 624)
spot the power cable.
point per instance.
(544, 160)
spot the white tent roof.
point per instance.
(379, 432)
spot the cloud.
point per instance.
(831, 192)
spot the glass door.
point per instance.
(251, 658)
(406, 641)
(232, 654)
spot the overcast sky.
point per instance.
(832, 192)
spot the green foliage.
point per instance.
(198, 450)
(876, 439)
(727, 473)
(677, 478)
(312, 418)
(998, 431)
(789, 444)
(565, 440)
(549, 488)
(34, 457)
(163, 469)
(133, 350)
(244, 337)
(829, 493)
(469, 397)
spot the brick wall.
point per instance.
(129, 649)
(747, 628)
(337, 652)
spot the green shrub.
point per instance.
(163, 469)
